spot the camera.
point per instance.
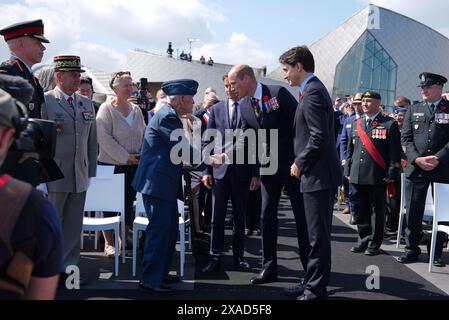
(34, 144)
(142, 98)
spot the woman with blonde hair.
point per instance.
(120, 130)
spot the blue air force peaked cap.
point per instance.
(181, 87)
(428, 79)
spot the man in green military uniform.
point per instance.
(425, 136)
(372, 162)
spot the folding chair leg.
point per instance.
(135, 244)
(190, 238)
(401, 222)
(182, 247)
(117, 250)
(82, 239)
(123, 243)
(432, 248)
(96, 241)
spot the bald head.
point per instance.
(242, 80)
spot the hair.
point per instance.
(224, 77)
(46, 78)
(300, 54)
(245, 70)
(402, 98)
(159, 104)
(117, 76)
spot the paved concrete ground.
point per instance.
(350, 272)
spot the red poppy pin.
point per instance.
(375, 123)
(442, 108)
(302, 95)
(265, 98)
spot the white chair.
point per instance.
(428, 210)
(107, 193)
(440, 214)
(141, 222)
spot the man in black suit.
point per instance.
(425, 135)
(317, 166)
(271, 108)
(233, 180)
(373, 160)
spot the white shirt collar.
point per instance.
(66, 96)
(258, 93)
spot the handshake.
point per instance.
(216, 160)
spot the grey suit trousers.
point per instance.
(71, 208)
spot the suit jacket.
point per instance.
(346, 136)
(221, 121)
(315, 151)
(15, 67)
(76, 141)
(360, 166)
(156, 174)
(426, 132)
(339, 118)
(280, 119)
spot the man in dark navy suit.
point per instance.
(272, 108)
(235, 180)
(157, 178)
(317, 166)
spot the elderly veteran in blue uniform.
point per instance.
(158, 178)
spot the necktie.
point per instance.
(234, 116)
(368, 122)
(432, 107)
(255, 103)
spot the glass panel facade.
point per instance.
(366, 66)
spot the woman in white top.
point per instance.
(120, 130)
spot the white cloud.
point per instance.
(103, 30)
(239, 49)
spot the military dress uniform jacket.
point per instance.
(76, 142)
(426, 132)
(360, 166)
(15, 67)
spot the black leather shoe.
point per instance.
(248, 232)
(295, 291)
(438, 262)
(304, 297)
(162, 289)
(169, 278)
(264, 277)
(358, 249)
(213, 265)
(407, 259)
(372, 252)
(241, 264)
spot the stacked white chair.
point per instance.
(440, 214)
(107, 193)
(140, 223)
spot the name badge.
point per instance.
(418, 114)
(88, 116)
(348, 126)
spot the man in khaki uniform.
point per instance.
(76, 151)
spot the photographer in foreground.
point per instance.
(30, 233)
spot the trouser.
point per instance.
(271, 192)
(369, 208)
(318, 224)
(393, 208)
(160, 238)
(254, 210)
(229, 185)
(416, 193)
(71, 211)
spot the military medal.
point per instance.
(31, 106)
(416, 126)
